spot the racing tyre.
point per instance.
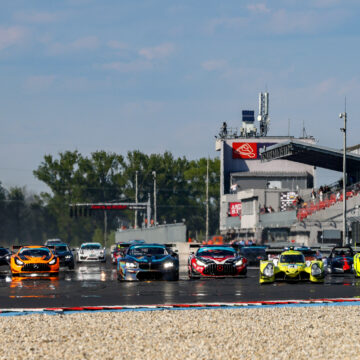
(192, 277)
(244, 272)
(174, 277)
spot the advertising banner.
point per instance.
(248, 150)
(235, 209)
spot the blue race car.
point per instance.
(341, 260)
(148, 262)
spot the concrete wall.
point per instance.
(161, 234)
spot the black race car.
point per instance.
(340, 260)
(148, 262)
(63, 252)
(5, 255)
(254, 254)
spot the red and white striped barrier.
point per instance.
(272, 303)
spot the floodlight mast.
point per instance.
(343, 115)
(263, 116)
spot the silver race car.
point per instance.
(91, 252)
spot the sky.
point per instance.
(157, 76)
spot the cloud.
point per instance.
(39, 83)
(37, 17)
(133, 66)
(212, 65)
(305, 22)
(258, 8)
(85, 43)
(11, 36)
(157, 52)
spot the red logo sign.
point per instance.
(220, 268)
(243, 150)
(235, 209)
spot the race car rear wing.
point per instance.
(172, 247)
(273, 253)
(15, 248)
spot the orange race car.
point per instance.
(34, 261)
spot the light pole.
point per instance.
(154, 175)
(207, 202)
(343, 115)
(136, 198)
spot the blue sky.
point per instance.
(163, 75)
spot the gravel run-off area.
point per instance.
(266, 333)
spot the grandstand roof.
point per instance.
(311, 154)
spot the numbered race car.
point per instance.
(148, 262)
(63, 252)
(34, 261)
(340, 260)
(291, 266)
(357, 265)
(216, 261)
(91, 252)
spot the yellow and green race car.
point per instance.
(291, 266)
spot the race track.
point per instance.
(97, 284)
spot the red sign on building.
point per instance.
(244, 150)
(235, 209)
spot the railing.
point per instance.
(329, 198)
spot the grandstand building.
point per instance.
(263, 177)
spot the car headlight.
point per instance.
(239, 262)
(131, 265)
(269, 270)
(18, 262)
(200, 263)
(168, 265)
(52, 262)
(81, 251)
(68, 257)
(7, 257)
(315, 270)
(101, 253)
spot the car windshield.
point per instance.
(213, 252)
(3, 252)
(61, 248)
(36, 252)
(254, 251)
(292, 259)
(139, 251)
(91, 247)
(343, 252)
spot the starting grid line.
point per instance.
(193, 306)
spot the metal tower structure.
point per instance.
(263, 116)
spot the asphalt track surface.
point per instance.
(97, 284)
